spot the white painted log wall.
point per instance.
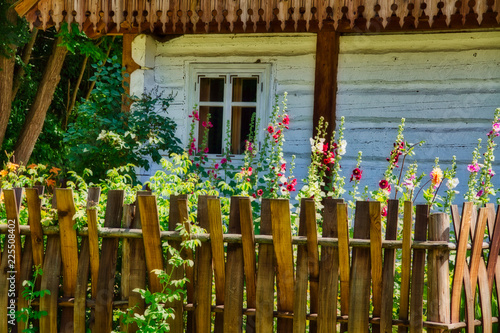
(292, 58)
(445, 85)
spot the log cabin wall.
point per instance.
(445, 85)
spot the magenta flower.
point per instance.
(205, 150)
(479, 193)
(473, 167)
(383, 184)
(496, 127)
(270, 129)
(260, 192)
(223, 161)
(216, 165)
(384, 211)
(356, 174)
(286, 119)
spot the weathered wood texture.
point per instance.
(314, 277)
(163, 17)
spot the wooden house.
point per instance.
(435, 63)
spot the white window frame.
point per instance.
(216, 70)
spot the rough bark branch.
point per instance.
(28, 49)
(36, 116)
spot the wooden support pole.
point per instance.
(438, 276)
(325, 83)
(127, 61)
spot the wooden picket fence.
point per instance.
(326, 284)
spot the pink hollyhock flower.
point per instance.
(496, 127)
(270, 129)
(196, 115)
(491, 173)
(383, 184)
(473, 167)
(479, 193)
(290, 187)
(283, 167)
(205, 150)
(260, 192)
(223, 161)
(216, 166)
(254, 196)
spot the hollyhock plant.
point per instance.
(356, 176)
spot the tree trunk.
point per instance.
(6, 76)
(36, 116)
(28, 48)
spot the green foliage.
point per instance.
(28, 313)
(77, 41)
(157, 314)
(104, 136)
(14, 30)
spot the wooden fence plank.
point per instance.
(84, 261)
(92, 220)
(418, 271)
(177, 324)
(187, 254)
(359, 289)
(218, 260)
(151, 238)
(438, 290)
(405, 265)
(137, 266)
(376, 261)
(10, 275)
(478, 272)
(389, 266)
(127, 220)
(34, 219)
(50, 281)
(313, 259)
(107, 265)
(300, 304)
(265, 276)
(233, 319)
(461, 271)
(203, 287)
(79, 307)
(248, 245)
(69, 251)
(342, 231)
(494, 231)
(285, 279)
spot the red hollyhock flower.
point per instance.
(270, 129)
(383, 184)
(356, 174)
(260, 192)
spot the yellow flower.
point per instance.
(436, 176)
(4, 173)
(12, 166)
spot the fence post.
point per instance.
(69, 251)
(107, 264)
(218, 262)
(203, 287)
(438, 273)
(233, 319)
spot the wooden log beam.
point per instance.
(325, 83)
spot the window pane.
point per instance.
(241, 122)
(212, 90)
(245, 89)
(215, 133)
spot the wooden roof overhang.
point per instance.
(163, 17)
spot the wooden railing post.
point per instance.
(438, 273)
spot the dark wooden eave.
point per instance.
(162, 17)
